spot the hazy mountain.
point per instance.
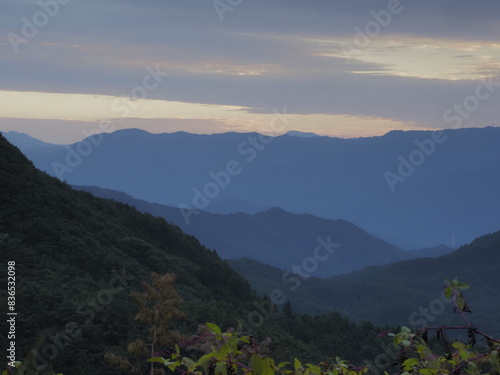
(279, 238)
(24, 141)
(406, 293)
(450, 195)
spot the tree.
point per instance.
(287, 310)
(158, 307)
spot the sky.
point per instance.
(339, 68)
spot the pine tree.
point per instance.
(287, 310)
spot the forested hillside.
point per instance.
(406, 293)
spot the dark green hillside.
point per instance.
(400, 293)
(78, 257)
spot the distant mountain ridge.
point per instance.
(24, 141)
(279, 238)
(450, 194)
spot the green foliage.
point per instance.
(459, 357)
(232, 353)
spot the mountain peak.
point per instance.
(276, 211)
(296, 133)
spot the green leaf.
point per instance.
(214, 328)
(462, 286)
(313, 369)
(409, 363)
(157, 359)
(171, 365)
(188, 362)
(448, 292)
(223, 351)
(220, 369)
(460, 302)
(459, 285)
(245, 339)
(203, 360)
(472, 367)
(262, 366)
(296, 364)
(495, 361)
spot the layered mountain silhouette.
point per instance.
(407, 293)
(414, 189)
(281, 239)
(77, 258)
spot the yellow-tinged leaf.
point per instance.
(448, 292)
(159, 360)
(188, 362)
(460, 302)
(409, 363)
(296, 364)
(459, 285)
(214, 328)
(203, 360)
(313, 369)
